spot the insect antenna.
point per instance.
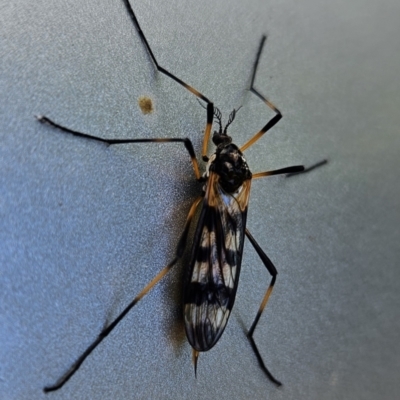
(218, 115)
(232, 116)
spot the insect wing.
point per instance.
(212, 279)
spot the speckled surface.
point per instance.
(84, 227)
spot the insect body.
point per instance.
(211, 279)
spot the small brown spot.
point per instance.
(146, 104)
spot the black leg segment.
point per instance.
(288, 170)
(182, 243)
(272, 270)
(274, 120)
(186, 141)
(308, 169)
(210, 105)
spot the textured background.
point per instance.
(83, 227)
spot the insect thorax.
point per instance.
(231, 166)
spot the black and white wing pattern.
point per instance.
(213, 275)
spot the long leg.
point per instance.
(274, 120)
(188, 144)
(210, 105)
(103, 334)
(290, 171)
(272, 270)
(308, 169)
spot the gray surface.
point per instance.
(84, 227)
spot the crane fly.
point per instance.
(212, 276)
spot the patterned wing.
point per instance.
(212, 279)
